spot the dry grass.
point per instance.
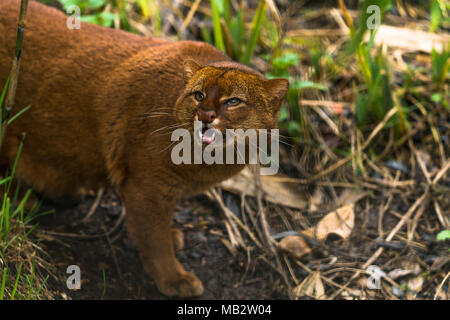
(23, 265)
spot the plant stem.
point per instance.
(14, 75)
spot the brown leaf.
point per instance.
(398, 273)
(439, 263)
(339, 222)
(296, 246)
(312, 286)
(276, 190)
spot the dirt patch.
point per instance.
(111, 268)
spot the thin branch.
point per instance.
(14, 75)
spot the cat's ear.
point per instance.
(276, 89)
(190, 67)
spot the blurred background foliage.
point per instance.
(263, 34)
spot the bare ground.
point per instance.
(111, 268)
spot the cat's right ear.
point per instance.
(190, 67)
(276, 90)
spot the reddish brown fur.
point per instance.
(92, 93)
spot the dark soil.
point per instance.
(111, 268)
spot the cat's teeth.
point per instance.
(207, 139)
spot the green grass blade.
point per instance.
(2, 290)
(104, 284)
(2, 96)
(30, 280)
(435, 15)
(145, 7)
(5, 180)
(18, 114)
(41, 287)
(218, 35)
(156, 17)
(21, 207)
(226, 11)
(16, 282)
(6, 218)
(254, 32)
(19, 151)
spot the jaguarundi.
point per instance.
(103, 104)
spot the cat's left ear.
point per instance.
(276, 89)
(190, 67)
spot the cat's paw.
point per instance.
(186, 285)
(178, 239)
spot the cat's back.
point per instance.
(50, 47)
(54, 23)
(50, 38)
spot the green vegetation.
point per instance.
(245, 34)
(377, 99)
(230, 34)
(19, 278)
(290, 117)
(440, 63)
(443, 235)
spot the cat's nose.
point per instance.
(206, 116)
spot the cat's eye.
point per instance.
(233, 102)
(199, 96)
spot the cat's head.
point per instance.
(228, 95)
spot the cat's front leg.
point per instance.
(148, 219)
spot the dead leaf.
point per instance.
(339, 222)
(439, 263)
(414, 267)
(296, 246)
(398, 273)
(276, 191)
(311, 286)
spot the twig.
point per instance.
(440, 285)
(233, 231)
(113, 251)
(265, 225)
(441, 218)
(391, 235)
(416, 218)
(381, 212)
(441, 173)
(189, 17)
(94, 205)
(343, 161)
(14, 75)
(94, 236)
(262, 213)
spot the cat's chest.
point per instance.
(197, 178)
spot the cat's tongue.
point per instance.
(208, 137)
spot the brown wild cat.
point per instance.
(103, 105)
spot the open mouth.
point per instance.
(207, 135)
